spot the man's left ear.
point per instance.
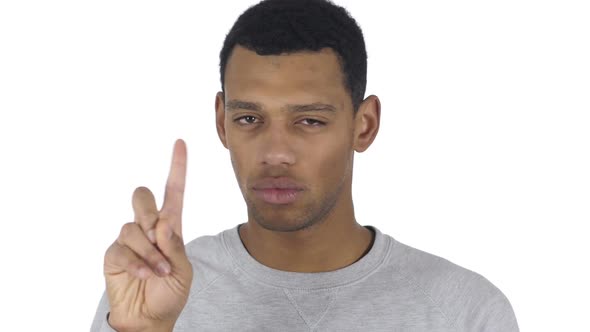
(366, 123)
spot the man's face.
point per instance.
(288, 123)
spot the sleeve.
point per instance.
(483, 307)
(500, 315)
(100, 323)
(487, 309)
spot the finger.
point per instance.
(122, 259)
(133, 237)
(172, 246)
(146, 211)
(174, 194)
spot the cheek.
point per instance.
(332, 162)
(238, 159)
(236, 149)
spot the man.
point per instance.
(292, 113)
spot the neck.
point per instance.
(334, 243)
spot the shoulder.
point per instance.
(468, 300)
(210, 260)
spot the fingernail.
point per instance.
(151, 236)
(163, 267)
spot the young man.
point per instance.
(292, 113)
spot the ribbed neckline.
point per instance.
(300, 280)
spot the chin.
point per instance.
(284, 227)
(279, 222)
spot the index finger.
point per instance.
(174, 194)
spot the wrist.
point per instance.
(133, 325)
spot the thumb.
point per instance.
(171, 245)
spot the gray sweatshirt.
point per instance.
(394, 287)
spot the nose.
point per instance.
(276, 148)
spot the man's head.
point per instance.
(275, 27)
(291, 111)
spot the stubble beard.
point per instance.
(308, 216)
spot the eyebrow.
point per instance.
(251, 106)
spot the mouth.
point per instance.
(277, 190)
(279, 196)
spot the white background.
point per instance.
(483, 155)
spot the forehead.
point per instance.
(307, 75)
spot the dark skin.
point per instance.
(265, 120)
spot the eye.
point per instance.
(314, 122)
(249, 119)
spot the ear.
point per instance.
(366, 123)
(220, 117)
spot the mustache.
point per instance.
(277, 178)
(275, 172)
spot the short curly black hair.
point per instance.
(273, 27)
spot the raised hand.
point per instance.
(148, 275)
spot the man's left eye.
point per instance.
(314, 122)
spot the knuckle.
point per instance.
(149, 217)
(114, 257)
(170, 213)
(134, 266)
(108, 255)
(153, 257)
(127, 230)
(110, 250)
